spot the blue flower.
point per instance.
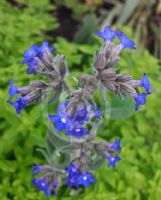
(32, 69)
(96, 113)
(42, 184)
(107, 34)
(125, 41)
(81, 116)
(13, 89)
(85, 179)
(77, 131)
(63, 106)
(92, 112)
(29, 59)
(40, 50)
(20, 103)
(72, 181)
(140, 99)
(37, 169)
(62, 121)
(35, 51)
(112, 160)
(72, 170)
(73, 173)
(145, 83)
(76, 178)
(116, 145)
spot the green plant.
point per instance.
(137, 177)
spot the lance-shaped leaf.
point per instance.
(120, 108)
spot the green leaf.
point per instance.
(120, 108)
(8, 166)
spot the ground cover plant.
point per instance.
(20, 137)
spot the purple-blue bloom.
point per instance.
(112, 160)
(145, 83)
(61, 120)
(72, 181)
(12, 89)
(77, 131)
(72, 169)
(20, 103)
(73, 173)
(29, 59)
(140, 99)
(40, 50)
(92, 112)
(125, 41)
(42, 184)
(35, 51)
(85, 179)
(96, 113)
(37, 169)
(107, 34)
(81, 116)
(116, 145)
(76, 178)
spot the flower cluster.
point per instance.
(108, 35)
(106, 59)
(72, 117)
(39, 61)
(110, 152)
(35, 52)
(72, 160)
(76, 178)
(48, 183)
(26, 95)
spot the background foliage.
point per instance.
(138, 176)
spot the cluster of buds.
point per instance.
(48, 182)
(40, 61)
(105, 61)
(77, 117)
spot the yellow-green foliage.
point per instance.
(136, 177)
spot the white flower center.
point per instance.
(78, 130)
(112, 159)
(63, 120)
(85, 178)
(74, 170)
(43, 184)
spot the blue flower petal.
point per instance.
(146, 83)
(31, 53)
(77, 132)
(37, 169)
(81, 116)
(12, 90)
(125, 41)
(107, 34)
(116, 145)
(140, 99)
(62, 121)
(85, 179)
(19, 104)
(72, 170)
(41, 184)
(112, 160)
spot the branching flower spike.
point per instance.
(72, 149)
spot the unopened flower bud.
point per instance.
(62, 66)
(100, 60)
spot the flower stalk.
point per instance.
(72, 149)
